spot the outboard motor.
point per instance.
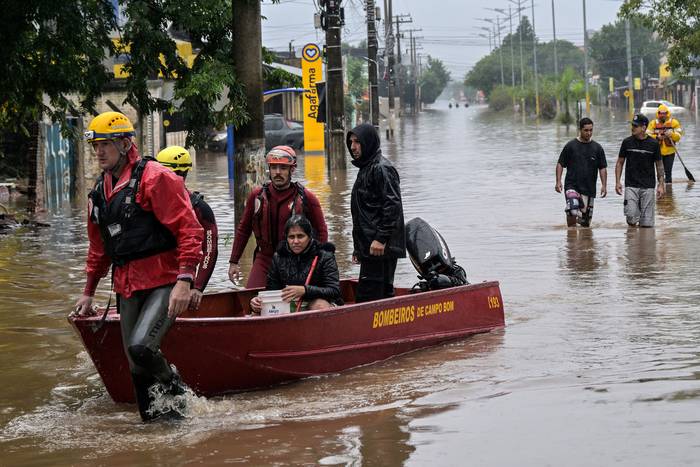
(573, 203)
(431, 257)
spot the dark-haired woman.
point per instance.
(291, 265)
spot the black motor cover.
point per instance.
(427, 249)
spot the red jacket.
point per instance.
(264, 213)
(162, 192)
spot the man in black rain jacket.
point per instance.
(377, 215)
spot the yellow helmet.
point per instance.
(109, 125)
(175, 158)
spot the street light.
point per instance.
(534, 53)
(497, 26)
(520, 30)
(488, 30)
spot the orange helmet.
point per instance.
(282, 155)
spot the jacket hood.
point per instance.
(369, 142)
(663, 108)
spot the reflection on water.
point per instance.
(600, 348)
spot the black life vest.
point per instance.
(128, 231)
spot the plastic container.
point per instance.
(272, 303)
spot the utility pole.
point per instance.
(534, 52)
(556, 67)
(250, 137)
(520, 31)
(335, 149)
(630, 89)
(389, 50)
(522, 67)
(414, 71)
(496, 25)
(641, 76)
(554, 32)
(400, 19)
(372, 63)
(585, 61)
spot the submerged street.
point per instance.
(598, 363)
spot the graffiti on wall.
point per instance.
(59, 167)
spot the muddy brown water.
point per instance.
(599, 363)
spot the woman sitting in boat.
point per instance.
(303, 269)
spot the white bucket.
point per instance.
(272, 303)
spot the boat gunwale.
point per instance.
(113, 316)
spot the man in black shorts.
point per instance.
(583, 159)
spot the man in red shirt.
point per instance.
(267, 209)
(142, 224)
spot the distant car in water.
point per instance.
(649, 108)
(278, 130)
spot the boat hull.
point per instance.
(219, 355)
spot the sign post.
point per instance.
(311, 73)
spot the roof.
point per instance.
(281, 66)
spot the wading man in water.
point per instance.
(377, 215)
(642, 155)
(583, 160)
(142, 224)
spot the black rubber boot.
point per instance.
(144, 397)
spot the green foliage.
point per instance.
(275, 78)
(52, 49)
(197, 89)
(676, 22)
(486, 74)
(571, 88)
(433, 80)
(501, 98)
(58, 49)
(608, 49)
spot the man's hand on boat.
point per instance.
(195, 299)
(179, 299)
(376, 248)
(234, 273)
(83, 307)
(293, 292)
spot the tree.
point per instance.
(52, 49)
(433, 80)
(152, 51)
(607, 48)
(485, 75)
(570, 87)
(676, 23)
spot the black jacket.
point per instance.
(290, 269)
(377, 212)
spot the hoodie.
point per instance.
(375, 203)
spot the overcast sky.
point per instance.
(450, 27)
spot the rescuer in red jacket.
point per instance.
(266, 212)
(142, 224)
(178, 159)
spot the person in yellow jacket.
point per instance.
(667, 131)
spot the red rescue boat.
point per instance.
(221, 350)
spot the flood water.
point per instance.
(599, 363)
